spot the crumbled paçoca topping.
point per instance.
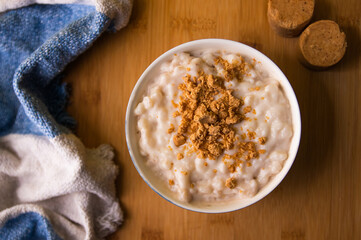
(209, 110)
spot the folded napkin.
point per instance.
(51, 186)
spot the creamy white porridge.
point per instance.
(214, 126)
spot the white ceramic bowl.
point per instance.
(131, 123)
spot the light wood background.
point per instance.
(320, 198)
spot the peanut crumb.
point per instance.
(176, 114)
(215, 170)
(170, 148)
(180, 156)
(249, 164)
(233, 70)
(261, 151)
(247, 109)
(171, 182)
(243, 136)
(179, 139)
(192, 185)
(171, 128)
(251, 135)
(174, 104)
(246, 151)
(231, 183)
(188, 69)
(185, 173)
(262, 140)
(205, 164)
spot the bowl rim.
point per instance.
(294, 104)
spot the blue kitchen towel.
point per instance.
(51, 186)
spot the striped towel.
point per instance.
(52, 187)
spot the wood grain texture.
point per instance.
(320, 198)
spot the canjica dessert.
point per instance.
(214, 126)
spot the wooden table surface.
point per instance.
(320, 198)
